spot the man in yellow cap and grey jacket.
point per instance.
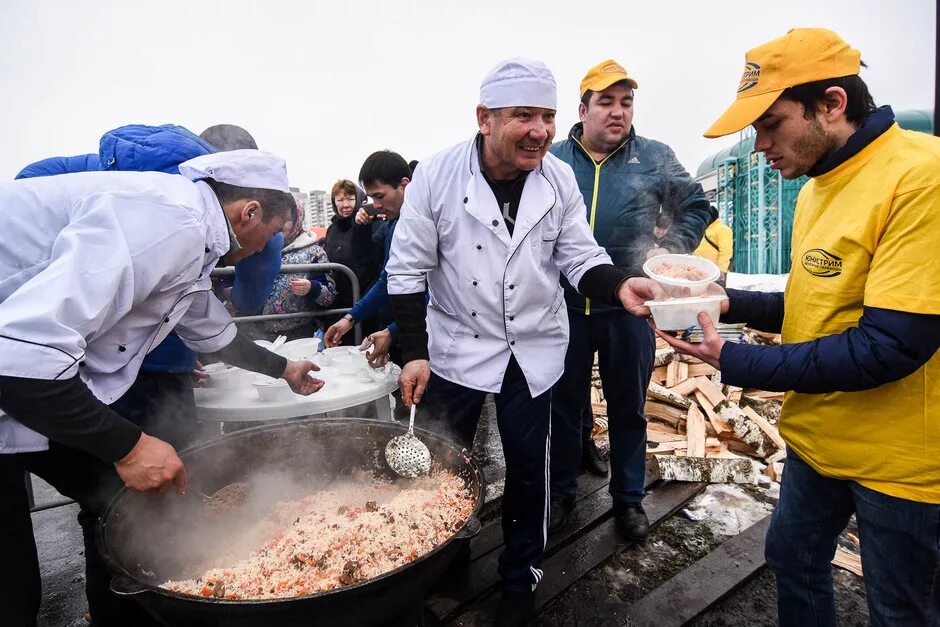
(626, 180)
(860, 320)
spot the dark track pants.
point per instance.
(91, 483)
(524, 425)
(625, 348)
(162, 405)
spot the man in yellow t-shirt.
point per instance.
(860, 320)
(717, 244)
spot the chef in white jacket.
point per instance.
(95, 269)
(486, 228)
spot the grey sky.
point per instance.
(324, 84)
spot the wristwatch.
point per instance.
(348, 317)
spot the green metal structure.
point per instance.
(758, 204)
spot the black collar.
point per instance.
(877, 123)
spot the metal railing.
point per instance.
(297, 268)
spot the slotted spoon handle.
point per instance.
(411, 421)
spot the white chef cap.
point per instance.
(519, 82)
(242, 168)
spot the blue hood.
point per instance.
(140, 148)
(60, 165)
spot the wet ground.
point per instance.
(721, 512)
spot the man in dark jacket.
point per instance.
(385, 175)
(625, 180)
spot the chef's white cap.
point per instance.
(242, 168)
(519, 82)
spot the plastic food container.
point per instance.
(304, 348)
(678, 314)
(224, 377)
(346, 360)
(678, 287)
(273, 390)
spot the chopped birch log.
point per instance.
(777, 457)
(713, 470)
(720, 426)
(655, 426)
(664, 412)
(695, 432)
(682, 372)
(746, 429)
(701, 370)
(672, 374)
(771, 471)
(738, 446)
(761, 395)
(686, 387)
(711, 391)
(711, 445)
(664, 356)
(849, 561)
(666, 395)
(765, 426)
(659, 375)
(661, 437)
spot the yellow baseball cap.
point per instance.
(605, 74)
(803, 55)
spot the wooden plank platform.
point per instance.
(692, 591)
(462, 587)
(572, 552)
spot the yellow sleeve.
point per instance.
(725, 247)
(905, 267)
(702, 251)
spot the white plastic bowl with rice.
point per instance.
(685, 280)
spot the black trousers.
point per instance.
(625, 349)
(162, 404)
(91, 483)
(524, 428)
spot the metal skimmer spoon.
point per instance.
(223, 500)
(406, 454)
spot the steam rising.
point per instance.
(158, 537)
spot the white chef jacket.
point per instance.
(492, 295)
(96, 268)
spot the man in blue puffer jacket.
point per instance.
(626, 180)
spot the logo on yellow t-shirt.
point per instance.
(822, 263)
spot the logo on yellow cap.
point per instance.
(613, 67)
(750, 76)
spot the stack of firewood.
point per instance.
(701, 430)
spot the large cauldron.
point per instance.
(148, 539)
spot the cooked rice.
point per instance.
(684, 271)
(324, 541)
